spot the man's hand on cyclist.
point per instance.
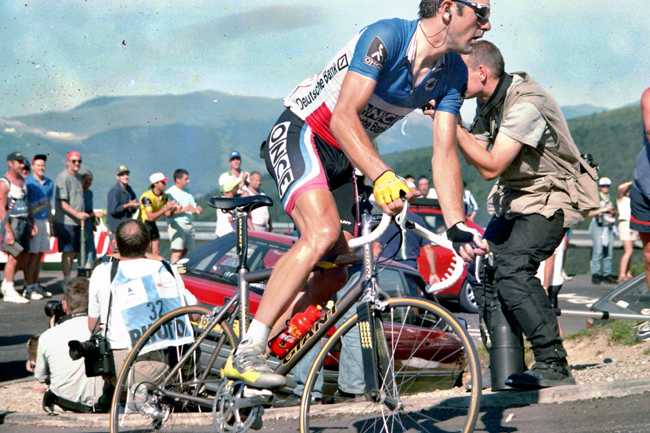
(467, 242)
(391, 191)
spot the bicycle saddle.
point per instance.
(243, 204)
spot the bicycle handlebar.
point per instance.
(457, 264)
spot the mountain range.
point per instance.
(197, 131)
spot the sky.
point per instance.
(57, 54)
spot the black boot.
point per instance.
(543, 375)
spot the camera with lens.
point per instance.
(589, 159)
(84, 272)
(97, 354)
(54, 309)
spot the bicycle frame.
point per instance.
(365, 289)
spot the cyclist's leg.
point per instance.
(294, 162)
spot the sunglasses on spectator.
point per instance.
(75, 161)
(482, 11)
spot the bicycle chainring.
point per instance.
(227, 416)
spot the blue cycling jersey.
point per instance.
(383, 51)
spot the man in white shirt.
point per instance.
(180, 227)
(260, 218)
(67, 378)
(130, 287)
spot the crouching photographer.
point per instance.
(128, 295)
(69, 388)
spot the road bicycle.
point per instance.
(403, 351)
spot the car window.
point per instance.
(635, 298)
(220, 258)
(434, 222)
(390, 281)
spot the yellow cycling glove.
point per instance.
(388, 186)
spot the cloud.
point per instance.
(264, 20)
(17, 128)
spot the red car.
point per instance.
(461, 292)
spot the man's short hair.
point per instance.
(132, 238)
(256, 172)
(422, 177)
(487, 54)
(75, 294)
(84, 174)
(429, 8)
(178, 174)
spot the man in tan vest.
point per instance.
(520, 137)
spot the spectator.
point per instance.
(27, 169)
(534, 203)
(68, 385)
(224, 219)
(469, 203)
(69, 212)
(180, 227)
(408, 251)
(235, 172)
(40, 191)
(17, 224)
(122, 201)
(154, 203)
(640, 199)
(423, 187)
(111, 282)
(260, 218)
(626, 235)
(602, 236)
(89, 226)
(409, 178)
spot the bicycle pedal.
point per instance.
(254, 392)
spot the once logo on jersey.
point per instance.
(376, 55)
(279, 158)
(376, 120)
(430, 84)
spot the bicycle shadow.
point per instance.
(450, 414)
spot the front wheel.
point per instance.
(149, 397)
(430, 360)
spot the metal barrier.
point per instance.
(205, 231)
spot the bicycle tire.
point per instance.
(428, 350)
(130, 414)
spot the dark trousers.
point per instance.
(520, 245)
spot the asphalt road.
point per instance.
(19, 322)
(610, 415)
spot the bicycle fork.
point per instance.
(377, 365)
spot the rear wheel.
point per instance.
(144, 399)
(431, 361)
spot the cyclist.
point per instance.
(388, 70)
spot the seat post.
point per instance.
(241, 219)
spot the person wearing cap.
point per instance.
(180, 227)
(40, 192)
(154, 203)
(17, 224)
(122, 202)
(69, 211)
(224, 219)
(602, 235)
(235, 172)
(27, 169)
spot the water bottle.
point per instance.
(296, 328)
